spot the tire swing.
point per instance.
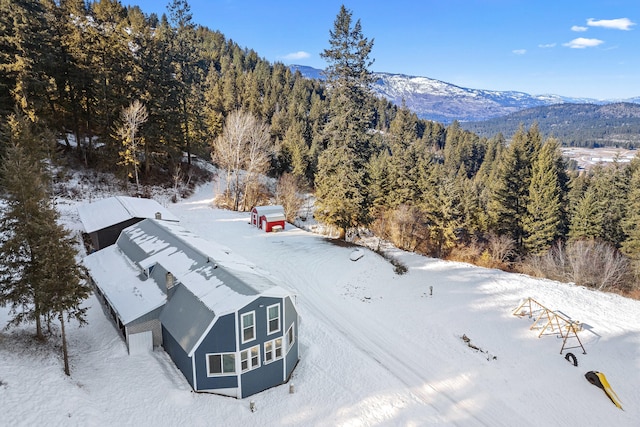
(570, 357)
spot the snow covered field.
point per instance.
(376, 348)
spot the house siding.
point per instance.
(260, 379)
(148, 322)
(291, 317)
(220, 339)
(108, 235)
(266, 376)
(178, 355)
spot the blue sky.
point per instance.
(579, 48)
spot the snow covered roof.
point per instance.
(129, 292)
(275, 216)
(209, 282)
(263, 210)
(114, 210)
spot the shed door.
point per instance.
(140, 343)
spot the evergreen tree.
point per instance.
(188, 74)
(631, 223)
(24, 224)
(509, 194)
(442, 208)
(587, 217)
(341, 180)
(39, 276)
(402, 171)
(379, 183)
(605, 202)
(25, 46)
(543, 223)
(340, 201)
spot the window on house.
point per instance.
(291, 337)
(221, 364)
(248, 326)
(273, 319)
(250, 358)
(272, 350)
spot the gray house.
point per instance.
(104, 219)
(229, 330)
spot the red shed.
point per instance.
(269, 218)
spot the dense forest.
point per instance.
(576, 125)
(139, 95)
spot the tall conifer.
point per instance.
(39, 276)
(341, 180)
(543, 222)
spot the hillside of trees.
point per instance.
(576, 125)
(138, 95)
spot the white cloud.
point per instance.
(547, 46)
(579, 28)
(616, 24)
(581, 43)
(296, 55)
(519, 51)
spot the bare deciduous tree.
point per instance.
(243, 150)
(501, 248)
(131, 118)
(288, 195)
(586, 262)
(596, 264)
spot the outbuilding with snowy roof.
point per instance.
(228, 329)
(104, 219)
(269, 218)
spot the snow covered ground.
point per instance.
(376, 348)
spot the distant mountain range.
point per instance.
(444, 102)
(582, 125)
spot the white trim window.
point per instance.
(250, 358)
(272, 350)
(248, 325)
(291, 337)
(221, 364)
(273, 319)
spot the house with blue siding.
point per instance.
(229, 330)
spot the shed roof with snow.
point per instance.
(113, 210)
(105, 219)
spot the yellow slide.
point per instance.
(598, 379)
(607, 389)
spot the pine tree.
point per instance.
(402, 172)
(24, 222)
(509, 194)
(442, 208)
(25, 45)
(39, 276)
(340, 201)
(341, 181)
(188, 75)
(65, 283)
(631, 223)
(543, 223)
(587, 217)
(600, 212)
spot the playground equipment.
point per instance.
(550, 321)
(599, 380)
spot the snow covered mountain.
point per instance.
(444, 102)
(433, 99)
